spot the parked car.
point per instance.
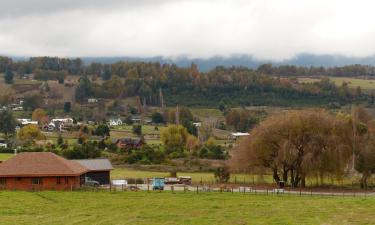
(184, 180)
(158, 183)
(91, 182)
(172, 180)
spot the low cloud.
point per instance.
(267, 29)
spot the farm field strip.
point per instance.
(365, 84)
(180, 208)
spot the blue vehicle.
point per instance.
(158, 183)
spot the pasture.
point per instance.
(365, 84)
(112, 208)
(5, 156)
(197, 177)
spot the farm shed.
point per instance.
(41, 171)
(98, 169)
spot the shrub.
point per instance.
(222, 174)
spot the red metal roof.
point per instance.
(37, 164)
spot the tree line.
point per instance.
(234, 86)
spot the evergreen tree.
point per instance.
(8, 76)
(84, 88)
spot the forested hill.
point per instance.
(235, 86)
(305, 60)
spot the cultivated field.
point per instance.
(365, 84)
(180, 208)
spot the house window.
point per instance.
(66, 180)
(3, 181)
(58, 180)
(36, 180)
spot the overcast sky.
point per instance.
(266, 29)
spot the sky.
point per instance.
(265, 29)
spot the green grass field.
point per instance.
(5, 156)
(106, 208)
(365, 84)
(120, 172)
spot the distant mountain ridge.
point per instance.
(305, 59)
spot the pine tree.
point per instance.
(8, 76)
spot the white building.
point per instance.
(198, 124)
(92, 100)
(239, 134)
(25, 122)
(63, 120)
(115, 122)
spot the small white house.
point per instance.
(63, 120)
(25, 122)
(239, 134)
(115, 122)
(198, 124)
(18, 108)
(92, 100)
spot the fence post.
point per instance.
(197, 189)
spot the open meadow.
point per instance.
(365, 84)
(180, 208)
(5, 156)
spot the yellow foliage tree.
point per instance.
(40, 115)
(30, 133)
(174, 137)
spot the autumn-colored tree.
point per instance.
(365, 161)
(296, 145)
(184, 115)
(30, 133)
(174, 137)
(40, 115)
(192, 143)
(242, 120)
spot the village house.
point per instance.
(115, 122)
(63, 120)
(41, 171)
(126, 143)
(3, 143)
(48, 171)
(25, 122)
(236, 135)
(92, 100)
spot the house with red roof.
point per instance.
(41, 171)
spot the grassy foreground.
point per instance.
(5, 156)
(181, 208)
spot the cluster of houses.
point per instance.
(58, 124)
(14, 107)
